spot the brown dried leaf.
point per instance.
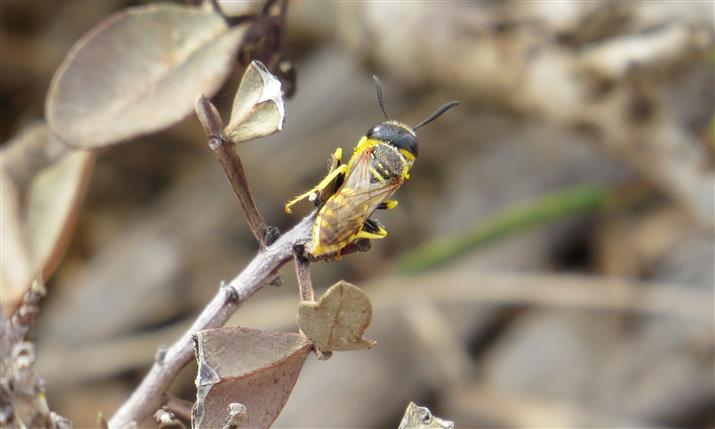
(38, 218)
(338, 320)
(139, 71)
(258, 108)
(254, 368)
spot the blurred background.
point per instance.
(551, 262)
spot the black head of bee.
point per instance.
(396, 135)
(399, 135)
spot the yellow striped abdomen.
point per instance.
(338, 222)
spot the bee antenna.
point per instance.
(378, 87)
(439, 112)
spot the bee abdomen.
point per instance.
(332, 232)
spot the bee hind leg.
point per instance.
(372, 229)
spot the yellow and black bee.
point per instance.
(351, 192)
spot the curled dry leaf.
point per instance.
(37, 221)
(417, 417)
(338, 320)
(245, 366)
(139, 71)
(258, 108)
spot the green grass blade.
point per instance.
(547, 208)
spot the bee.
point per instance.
(351, 192)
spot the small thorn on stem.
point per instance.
(160, 355)
(272, 234)
(230, 291)
(167, 419)
(214, 143)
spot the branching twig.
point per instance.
(225, 152)
(259, 272)
(22, 392)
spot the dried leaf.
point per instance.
(29, 151)
(258, 108)
(338, 320)
(37, 220)
(254, 368)
(16, 273)
(52, 203)
(139, 71)
(417, 417)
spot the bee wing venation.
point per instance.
(346, 212)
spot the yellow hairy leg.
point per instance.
(382, 233)
(388, 204)
(338, 170)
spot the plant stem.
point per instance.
(147, 397)
(302, 273)
(225, 152)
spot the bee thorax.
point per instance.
(387, 161)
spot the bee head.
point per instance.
(398, 135)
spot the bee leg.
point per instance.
(372, 229)
(317, 191)
(388, 204)
(336, 160)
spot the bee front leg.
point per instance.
(317, 192)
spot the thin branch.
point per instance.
(225, 152)
(180, 407)
(302, 273)
(259, 272)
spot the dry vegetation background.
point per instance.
(573, 186)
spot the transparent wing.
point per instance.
(345, 213)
